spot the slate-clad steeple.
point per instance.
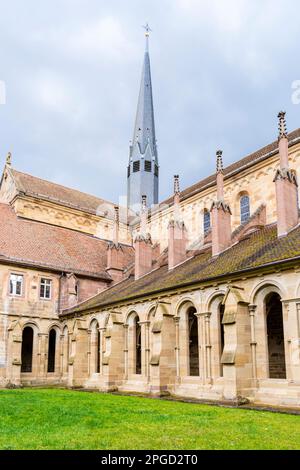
(143, 161)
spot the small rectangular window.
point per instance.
(45, 288)
(156, 170)
(136, 166)
(16, 284)
(148, 165)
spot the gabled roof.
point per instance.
(33, 243)
(42, 189)
(259, 249)
(246, 162)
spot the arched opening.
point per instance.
(275, 337)
(221, 335)
(27, 349)
(193, 342)
(95, 346)
(244, 208)
(138, 347)
(51, 350)
(206, 221)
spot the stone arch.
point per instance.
(134, 343)
(33, 324)
(275, 336)
(211, 299)
(263, 288)
(151, 311)
(215, 306)
(53, 341)
(27, 349)
(189, 338)
(267, 296)
(183, 302)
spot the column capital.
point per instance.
(203, 314)
(252, 308)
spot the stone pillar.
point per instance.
(143, 245)
(236, 357)
(14, 340)
(177, 349)
(147, 349)
(113, 358)
(220, 214)
(126, 326)
(163, 362)
(208, 347)
(253, 343)
(144, 346)
(201, 347)
(79, 357)
(286, 185)
(291, 326)
(61, 356)
(89, 350)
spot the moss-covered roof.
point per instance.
(256, 250)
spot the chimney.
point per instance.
(143, 245)
(220, 214)
(177, 231)
(286, 185)
(115, 253)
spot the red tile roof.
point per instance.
(57, 248)
(261, 248)
(37, 187)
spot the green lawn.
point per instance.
(64, 419)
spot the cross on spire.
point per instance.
(147, 34)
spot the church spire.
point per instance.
(144, 128)
(143, 161)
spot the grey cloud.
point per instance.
(220, 70)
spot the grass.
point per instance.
(65, 419)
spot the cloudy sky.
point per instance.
(221, 71)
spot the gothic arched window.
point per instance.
(244, 208)
(206, 221)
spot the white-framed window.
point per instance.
(16, 284)
(45, 288)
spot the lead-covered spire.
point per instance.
(143, 168)
(144, 128)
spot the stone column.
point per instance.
(291, 325)
(144, 346)
(201, 349)
(253, 343)
(207, 316)
(61, 356)
(177, 349)
(89, 332)
(126, 326)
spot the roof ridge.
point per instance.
(190, 190)
(13, 170)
